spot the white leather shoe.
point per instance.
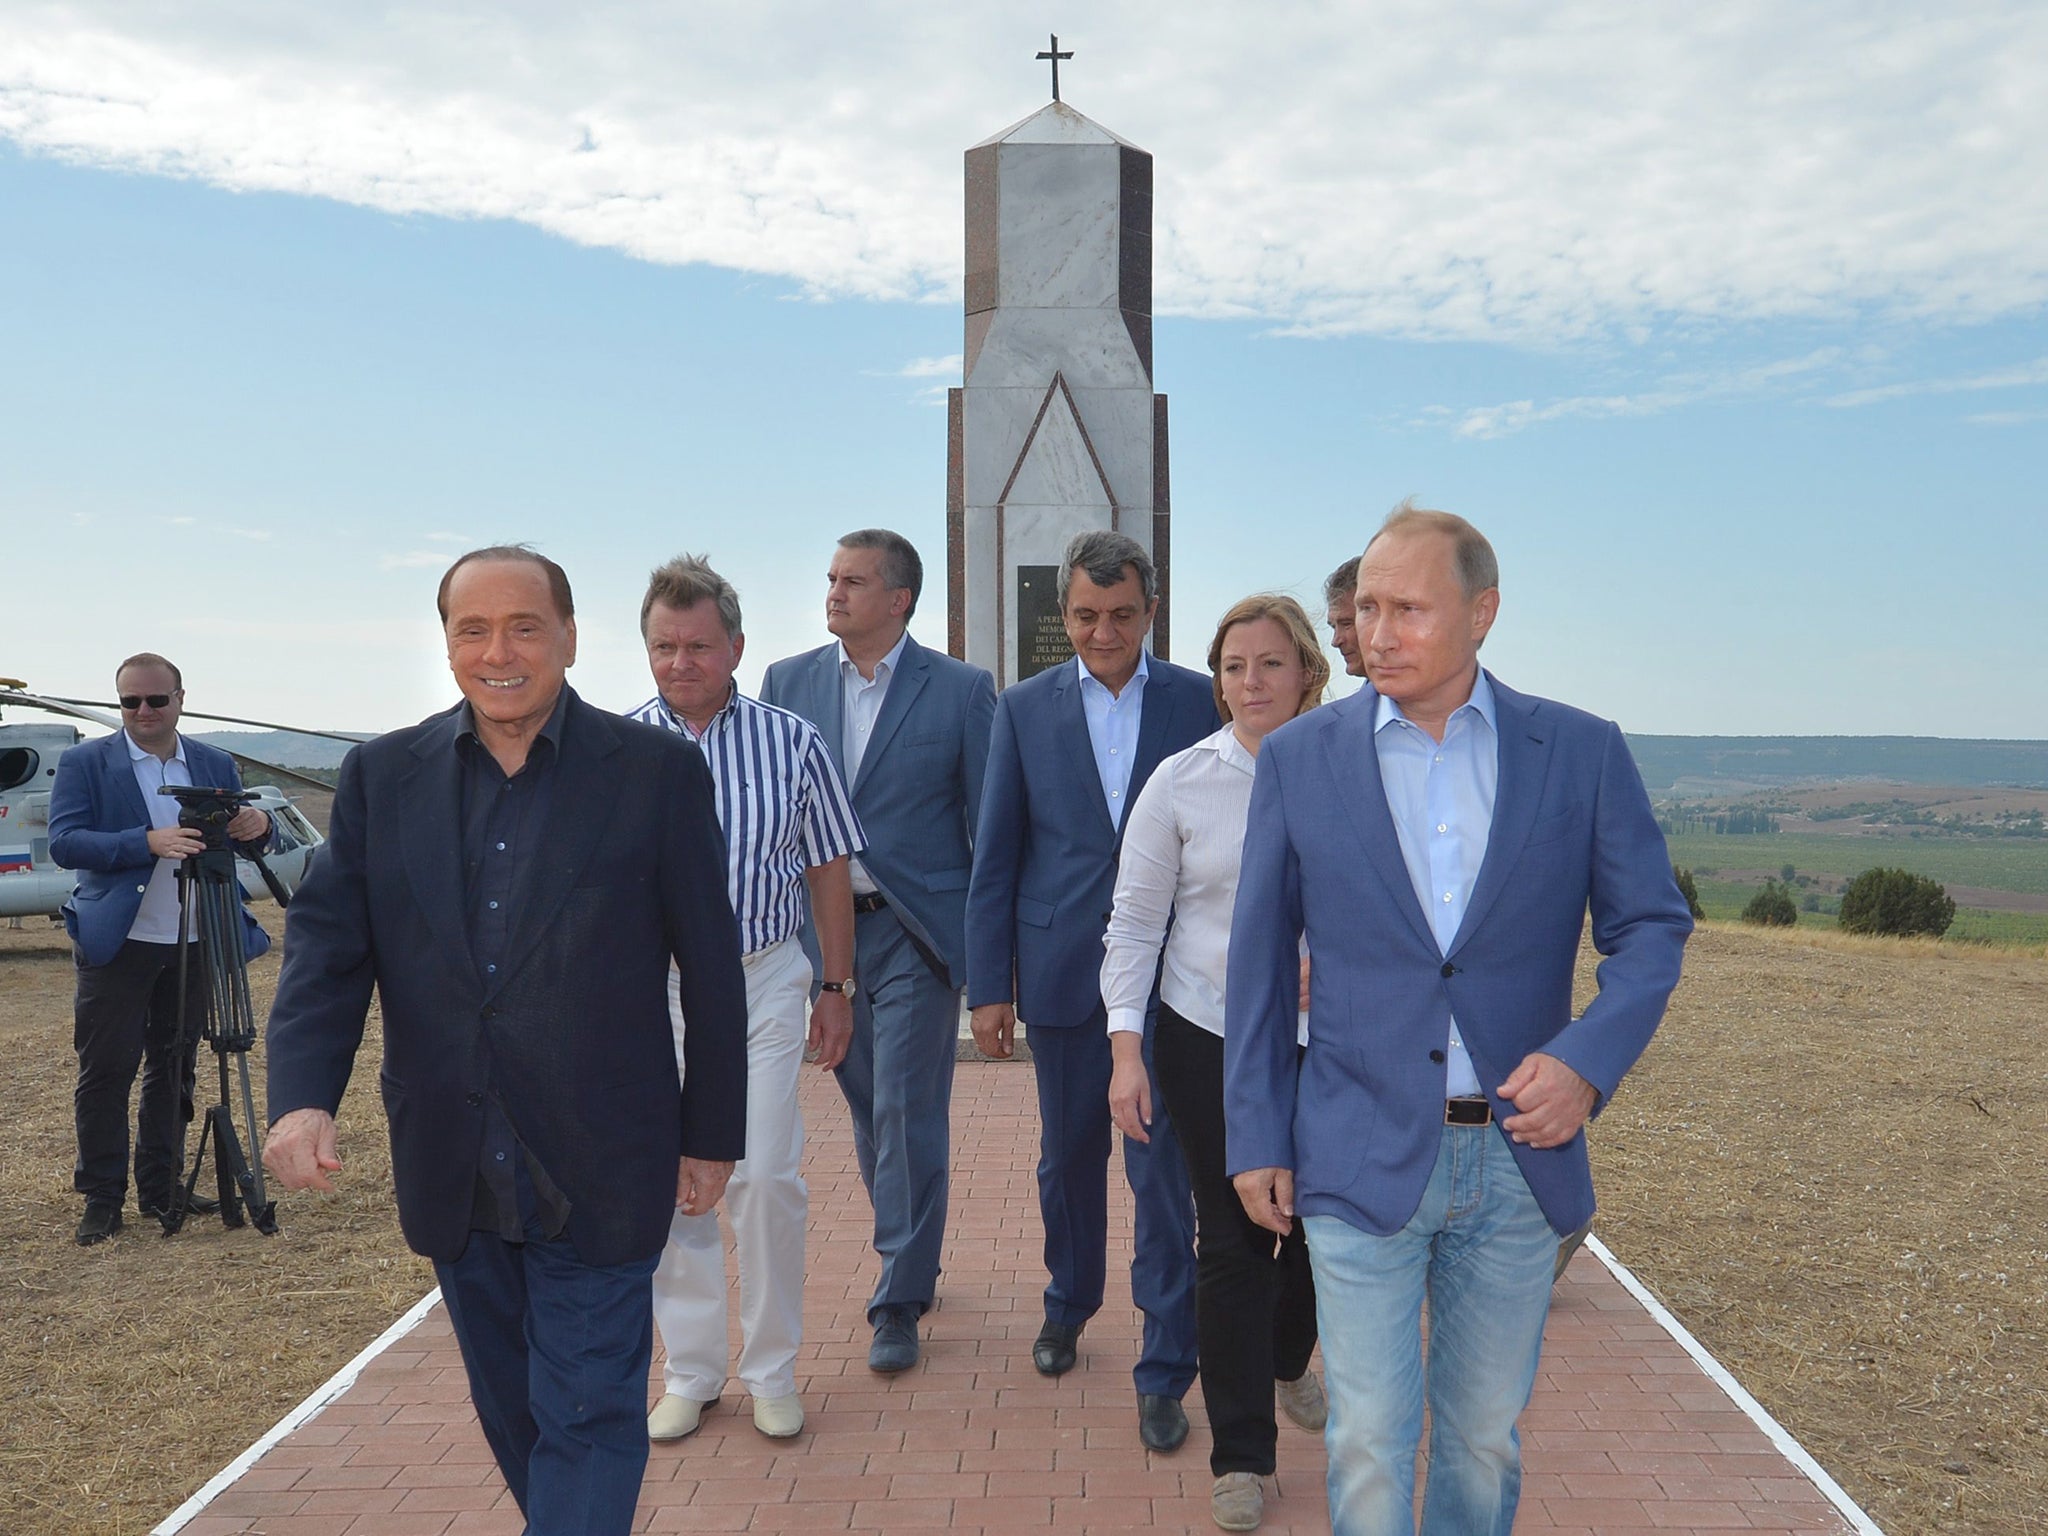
(674, 1417)
(779, 1417)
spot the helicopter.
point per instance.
(32, 884)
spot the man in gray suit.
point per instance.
(908, 729)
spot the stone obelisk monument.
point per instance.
(1056, 428)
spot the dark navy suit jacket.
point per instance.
(574, 1035)
(1572, 830)
(919, 787)
(1045, 853)
(100, 827)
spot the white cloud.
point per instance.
(1501, 169)
(947, 367)
(2019, 377)
(412, 559)
(448, 538)
(1489, 421)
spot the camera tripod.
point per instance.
(210, 915)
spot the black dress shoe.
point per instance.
(1162, 1422)
(1053, 1350)
(895, 1347)
(101, 1221)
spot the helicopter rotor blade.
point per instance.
(280, 771)
(76, 709)
(353, 737)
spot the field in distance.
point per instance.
(1988, 846)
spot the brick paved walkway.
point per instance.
(1626, 1433)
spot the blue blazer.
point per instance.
(918, 791)
(574, 1035)
(100, 827)
(1045, 856)
(1572, 830)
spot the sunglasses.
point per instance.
(153, 700)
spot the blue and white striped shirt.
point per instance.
(781, 803)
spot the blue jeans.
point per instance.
(1481, 1251)
(897, 1080)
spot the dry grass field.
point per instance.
(1827, 1165)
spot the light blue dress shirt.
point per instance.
(1440, 795)
(1113, 732)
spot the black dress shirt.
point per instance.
(502, 822)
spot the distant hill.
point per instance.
(1729, 765)
(288, 749)
(1691, 765)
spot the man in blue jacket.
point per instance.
(907, 729)
(108, 822)
(1440, 839)
(1071, 749)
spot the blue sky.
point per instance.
(1733, 340)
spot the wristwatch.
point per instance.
(845, 988)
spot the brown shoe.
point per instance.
(1238, 1501)
(1303, 1402)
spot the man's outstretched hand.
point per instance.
(300, 1150)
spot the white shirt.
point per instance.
(862, 699)
(1113, 720)
(1181, 855)
(156, 920)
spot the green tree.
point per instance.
(1771, 907)
(1690, 890)
(1896, 901)
(1787, 871)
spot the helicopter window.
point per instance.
(17, 766)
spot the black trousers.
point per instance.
(125, 1016)
(1255, 1296)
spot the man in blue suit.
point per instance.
(1440, 839)
(1072, 748)
(108, 822)
(908, 731)
(515, 877)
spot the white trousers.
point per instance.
(766, 1202)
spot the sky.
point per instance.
(1728, 324)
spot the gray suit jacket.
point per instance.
(918, 792)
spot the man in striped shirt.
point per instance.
(787, 824)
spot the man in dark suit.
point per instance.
(515, 876)
(1072, 747)
(108, 822)
(908, 730)
(1440, 839)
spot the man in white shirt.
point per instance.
(109, 822)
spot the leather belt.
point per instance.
(1468, 1111)
(868, 901)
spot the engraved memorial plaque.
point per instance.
(1041, 637)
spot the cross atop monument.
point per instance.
(1055, 55)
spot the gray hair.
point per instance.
(1478, 569)
(1341, 583)
(683, 583)
(901, 567)
(1105, 556)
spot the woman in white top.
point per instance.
(1176, 882)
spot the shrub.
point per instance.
(1690, 890)
(1896, 901)
(1771, 907)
